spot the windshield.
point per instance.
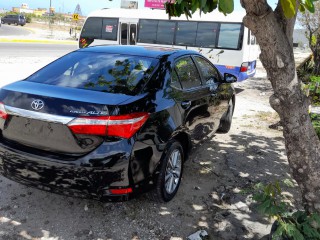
(103, 72)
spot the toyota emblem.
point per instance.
(37, 104)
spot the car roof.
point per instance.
(145, 51)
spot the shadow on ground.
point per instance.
(214, 195)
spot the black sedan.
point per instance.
(109, 122)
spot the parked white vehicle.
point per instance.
(223, 39)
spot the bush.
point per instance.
(28, 18)
(290, 224)
(315, 118)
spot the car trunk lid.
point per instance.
(38, 116)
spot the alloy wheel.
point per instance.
(173, 171)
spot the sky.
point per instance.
(87, 6)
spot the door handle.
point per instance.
(185, 104)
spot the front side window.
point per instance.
(208, 72)
(102, 72)
(187, 73)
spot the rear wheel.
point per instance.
(225, 123)
(169, 178)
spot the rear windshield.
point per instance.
(102, 72)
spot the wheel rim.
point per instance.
(173, 171)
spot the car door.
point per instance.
(192, 98)
(220, 92)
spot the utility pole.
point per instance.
(50, 19)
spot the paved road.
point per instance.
(35, 49)
(11, 30)
(19, 60)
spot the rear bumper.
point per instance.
(89, 177)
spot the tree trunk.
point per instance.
(274, 34)
(316, 55)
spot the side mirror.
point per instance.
(229, 78)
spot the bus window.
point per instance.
(124, 33)
(165, 32)
(229, 35)
(98, 28)
(186, 33)
(92, 28)
(148, 31)
(110, 29)
(206, 34)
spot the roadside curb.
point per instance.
(46, 41)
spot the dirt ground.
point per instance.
(215, 194)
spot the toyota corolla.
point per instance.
(109, 122)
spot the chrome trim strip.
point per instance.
(38, 115)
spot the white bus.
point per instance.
(223, 39)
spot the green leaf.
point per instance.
(259, 197)
(309, 5)
(309, 231)
(293, 232)
(302, 8)
(289, 7)
(278, 233)
(203, 3)
(226, 6)
(263, 208)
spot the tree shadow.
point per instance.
(215, 195)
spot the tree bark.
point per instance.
(274, 35)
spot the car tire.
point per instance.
(169, 178)
(225, 122)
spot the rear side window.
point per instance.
(102, 72)
(187, 73)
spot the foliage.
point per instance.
(315, 118)
(312, 89)
(29, 17)
(311, 22)
(188, 7)
(305, 71)
(293, 225)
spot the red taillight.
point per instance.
(120, 191)
(124, 126)
(3, 113)
(244, 67)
